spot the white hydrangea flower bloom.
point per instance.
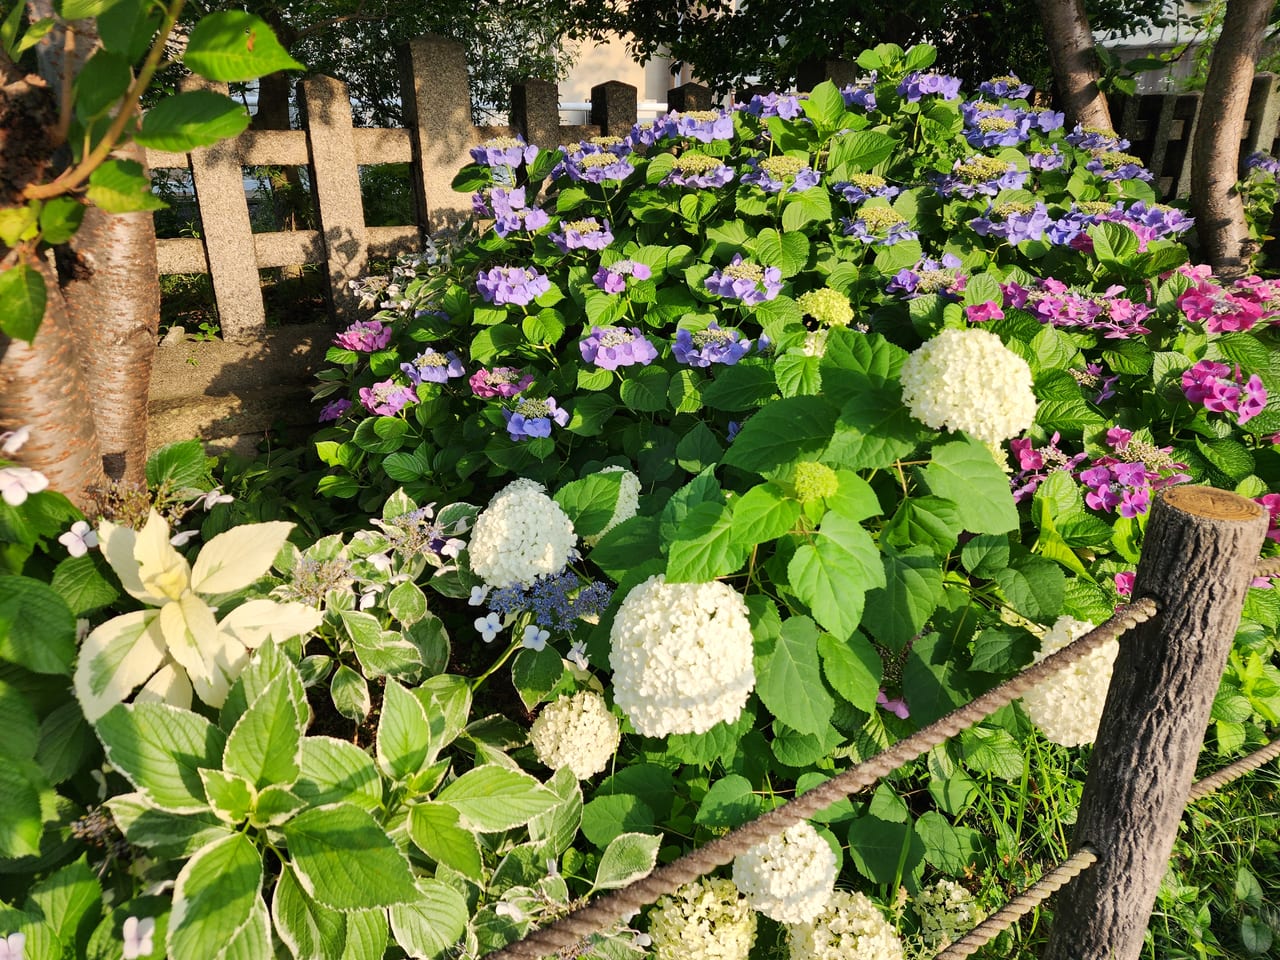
(968, 380)
(947, 911)
(1068, 706)
(522, 534)
(681, 656)
(577, 732)
(703, 920)
(788, 877)
(849, 926)
(627, 505)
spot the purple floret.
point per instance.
(613, 347)
(518, 285)
(712, 345)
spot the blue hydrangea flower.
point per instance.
(746, 281)
(595, 166)
(941, 277)
(432, 366)
(879, 226)
(694, 169)
(861, 94)
(864, 186)
(979, 175)
(774, 105)
(533, 417)
(920, 84)
(612, 347)
(704, 126)
(587, 234)
(1007, 86)
(518, 285)
(773, 173)
(1094, 138)
(1013, 222)
(712, 345)
(504, 152)
(1113, 165)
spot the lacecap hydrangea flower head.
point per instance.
(968, 380)
(681, 656)
(703, 920)
(947, 911)
(790, 876)
(577, 732)
(849, 925)
(1068, 706)
(178, 645)
(522, 534)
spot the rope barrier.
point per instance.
(1021, 905)
(1267, 568)
(1072, 867)
(607, 910)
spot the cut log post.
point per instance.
(1197, 562)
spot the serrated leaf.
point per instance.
(265, 746)
(627, 858)
(233, 45)
(122, 186)
(214, 898)
(784, 431)
(964, 472)
(196, 118)
(344, 860)
(166, 836)
(704, 546)
(789, 681)
(432, 923)
(763, 513)
(833, 574)
(403, 733)
(21, 783)
(913, 589)
(350, 693)
(22, 302)
(1034, 588)
(435, 829)
(335, 770)
(730, 802)
(308, 930)
(491, 798)
(590, 502)
(160, 750)
(853, 668)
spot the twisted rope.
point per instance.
(1021, 905)
(627, 901)
(1267, 568)
(1233, 771)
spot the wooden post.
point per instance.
(1197, 562)
(335, 182)
(1263, 114)
(228, 236)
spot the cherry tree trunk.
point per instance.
(1074, 63)
(1198, 559)
(1221, 228)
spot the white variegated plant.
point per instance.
(178, 645)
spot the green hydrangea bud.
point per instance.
(827, 306)
(815, 481)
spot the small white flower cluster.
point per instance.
(577, 732)
(968, 380)
(627, 505)
(681, 656)
(522, 534)
(789, 877)
(703, 920)
(849, 926)
(947, 911)
(1068, 706)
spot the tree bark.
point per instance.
(1074, 63)
(112, 289)
(1221, 228)
(1197, 563)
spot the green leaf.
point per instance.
(66, 897)
(883, 851)
(645, 389)
(345, 861)
(704, 547)
(789, 680)
(1001, 650)
(1034, 587)
(951, 849)
(335, 770)
(535, 673)
(60, 218)
(231, 796)
(403, 733)
(197, 118)
(22, 302)
(407, 603)
(492, 798)
(797, 374)
(740, 387)
(807, 206)
(590, 502)
(122, 186)
(235, 46)
(913, 589)
(179, 465)
(787, 251)
(160, 750)
(606, 817)
(763, 513)
(992, 751)
(308, 930)
(698, 449)
(82, 9)
(627, 858)
(433, 922)
(66, 743)
(860, 373)
(925, 521)
(833, 574)
(730, 802)
(350, 693)
(964, 472)
(265, 746)
(79, 581)
(166, 836)
(18, 721)
(21, 783)
(853, 668)
(859, 152)
(434, 828)
(783, 432)
(214, 898)
(985, 555)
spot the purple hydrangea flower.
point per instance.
(879, 226)
(1260, 160)
(774, 105)
(613, 278)
(1223, 389)
(432, 366)
(510, 213)
(518, 285)
(979, 175)
(704, 126)
(861, 95)
(386, 397)
(334, 409)
(613, 347)
(746, 281)
(1095, 138)
(772, 173)
(1008, 86)
(1049, 158)
(1112, 165)
(504, 152)
(364, 336)
(1046, 120)
(990, 125)
(499, 382)
(532, 418)
(588, 234)
(694, 169)
(941, 277)
(919, 84)
(643, 135)
(597, 166)
(1014, 222)
(712, 345)
(864, 186)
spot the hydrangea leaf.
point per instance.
(166, 836)
(265, 746)
(335, 770)
(606, 817)
(833, 574)
(434, 829)
(781, 433)
(306, 928)
(933, 684)
(214, 898)
(964, 472)
(912, 591)
(492, 798)
(1034, 587)
(950, 849)
(789, 680)
(345, 860)
(433, 922)
(350, 693)
(535, 673)
(236, 558)
(704, 546)
(730, 802)
(627, 858)
(763, 513)
(743, 386)
(403, 733)
(884, 852)
(232, 45)
(590, 502)
(37, 629)
(21, 783)
(160, 750)
(853, 668)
